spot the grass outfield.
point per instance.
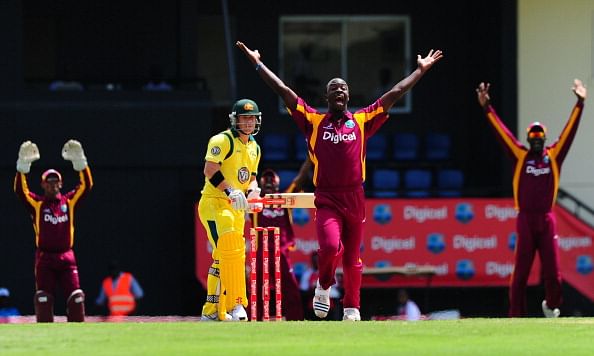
(563, 336)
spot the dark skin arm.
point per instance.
(274, 82)
(482, 95)
(304, 176)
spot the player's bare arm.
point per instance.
(423, 65)
(482, 93)
(270, 78)
(579, 89)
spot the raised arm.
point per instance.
(579, 89)
(423, 65)
(269, 77)
(303, 178)
(512, 145)
(482, 95)
(561, 146)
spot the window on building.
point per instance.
(371, 53)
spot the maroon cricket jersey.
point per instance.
(337, 146)
(536, 176)
(53, 219)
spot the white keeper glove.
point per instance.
(28, 153)
(255, 207)
(238, 199)
(73, 151)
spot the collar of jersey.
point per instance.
(236, 135)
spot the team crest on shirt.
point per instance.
(546, 159)
(243, 175)
(64, 208)
(215, 151)
(349, 124)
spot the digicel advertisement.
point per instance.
(469, 242)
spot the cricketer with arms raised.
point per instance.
(53, 223)
(336, 145)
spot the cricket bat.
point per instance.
(286, 200)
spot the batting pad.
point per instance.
(231, 248)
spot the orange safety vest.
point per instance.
(120, 300)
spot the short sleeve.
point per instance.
(218, 147)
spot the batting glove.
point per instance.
(28, 153)
(73, 151)
(255, 207)
(238, 199)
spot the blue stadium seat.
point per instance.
(417, 183)
(405, 146)
(437, 146)
(377, 147)
(450, 182)
(275, 147)
(286, 177)
(385, 183)
(300, 147)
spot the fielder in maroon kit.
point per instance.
(535, 183)
(336, 143)
(281, 218)
(53, 223)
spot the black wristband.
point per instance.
(227, 191)
(217, 178)
(259, 65)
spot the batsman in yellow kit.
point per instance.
(230, 170)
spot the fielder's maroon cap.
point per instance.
(51, 173)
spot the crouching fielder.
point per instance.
(53, 222)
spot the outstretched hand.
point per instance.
(431, 58)
(73, 151)
(28, 153)
(579, 89)
(253, 55)
(482, 93)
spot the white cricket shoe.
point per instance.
(214, 317)
(548, 312)
(321, 301)
(238, 313)
(351, 314)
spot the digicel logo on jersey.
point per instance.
(537, 171)
(55, 219)
(336, 138)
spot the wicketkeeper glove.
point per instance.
(255, 207)
(73, 151)
(238, 199)
(28, 153)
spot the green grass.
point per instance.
(563, 336)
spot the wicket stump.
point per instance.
(265, 273)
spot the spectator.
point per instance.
(156, 82)
(66, 82)
(407, 309)
(120, 290)
(52, 214)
